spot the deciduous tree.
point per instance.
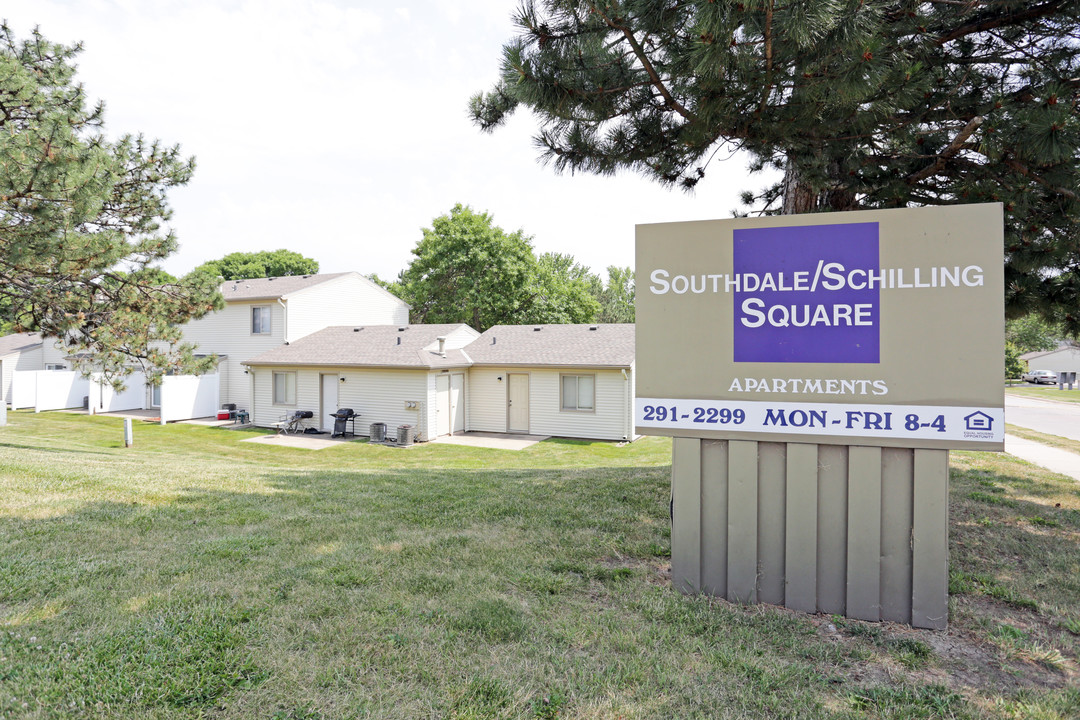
(262, 264)
(563, 293)
(616, 297)
(468, 270)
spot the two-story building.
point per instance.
(265, 313)
(259, 315)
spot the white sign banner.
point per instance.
(919, 422)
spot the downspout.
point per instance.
(284, 322)
(626, 405)
(284, 339)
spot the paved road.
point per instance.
(1052, 418)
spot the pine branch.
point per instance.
(954, 147)
(1026, 172)
(989, 21)
(643, 58)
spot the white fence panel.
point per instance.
(189, 396)
(59, 389)
(23, 389)
(109, 400)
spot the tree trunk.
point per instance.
(799, 197)
(802, 197)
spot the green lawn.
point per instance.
(195, 576)
(1056, 441)
(1045, 392)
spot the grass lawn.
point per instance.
(1056, 441)
(195, 576)
(1045, 392)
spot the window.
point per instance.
(55, 366)
(284, 388)
(578, 392)
(260, 320)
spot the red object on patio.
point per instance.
(223, 415)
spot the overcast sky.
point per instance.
(340, 129)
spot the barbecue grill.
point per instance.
(344, 417)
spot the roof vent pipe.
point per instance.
(442, 345)
(399, 340)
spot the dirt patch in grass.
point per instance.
(957, 660)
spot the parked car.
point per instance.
(1040, 376)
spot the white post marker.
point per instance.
(129, 437)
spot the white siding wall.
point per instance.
(487, 400)
(1057, 361)
(428, 412)
(348, 300)
(224, 368)
(51, 354)
(28, 360)
(460, 338)
(610, 421)
(228, 332)
(377, 395)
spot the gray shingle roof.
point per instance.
(19, 341)
(560, 345)
(275, 287)
(371, 346)
(1036, 354)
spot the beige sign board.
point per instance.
(882, 327)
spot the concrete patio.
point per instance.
(496, 441)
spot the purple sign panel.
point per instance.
(808, 294)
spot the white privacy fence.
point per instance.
(48, 389)
(105, 399)
(182, 396)
(189, 396)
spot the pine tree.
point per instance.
(862, 104)
(80, 223)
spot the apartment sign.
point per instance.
(879, 327)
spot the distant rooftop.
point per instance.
(369, 346)
(566, 345)
(19, 341)
(270, 288)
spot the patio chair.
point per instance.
(293, 422)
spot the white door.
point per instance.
(442, 405)
(457, 407)
(517, 402)
(155, 396)
(328, 399)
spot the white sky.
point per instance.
(339, 129)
